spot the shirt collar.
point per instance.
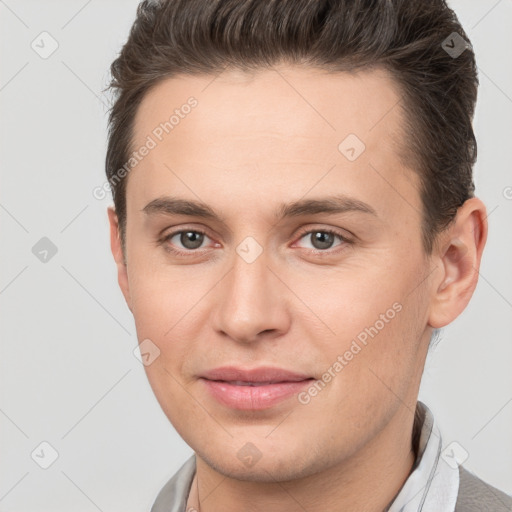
(433, 485)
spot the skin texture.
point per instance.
(253, 142)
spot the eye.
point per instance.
(186, 240)
(323, 239)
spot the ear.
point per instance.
(458, 255)
(117, 252)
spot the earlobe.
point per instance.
(459, 256)
(117, 252)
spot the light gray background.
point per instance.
(67, 372)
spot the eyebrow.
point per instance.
(169, 205)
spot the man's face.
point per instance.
(297, 293)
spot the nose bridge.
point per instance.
(249, 301)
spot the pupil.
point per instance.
(191, 239)
(322, 240)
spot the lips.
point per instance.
(244, 383)
(255, 388)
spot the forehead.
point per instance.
(287, 126)
(321, 103)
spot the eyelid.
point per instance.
(330, 252)
(345, 240)
(323, 229)
(165, 238)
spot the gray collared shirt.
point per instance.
(432, 486)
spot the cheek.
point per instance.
(160, 296)
(352, 298)
(367, 323)
(169, 306)
(163, 309)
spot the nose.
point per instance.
(251, 301)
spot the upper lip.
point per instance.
(259, 374)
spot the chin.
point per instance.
(271, 467)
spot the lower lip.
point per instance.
(253, 397)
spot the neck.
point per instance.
(368, 482)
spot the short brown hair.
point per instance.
(411, 39)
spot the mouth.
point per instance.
(243, 383)
(253, 389)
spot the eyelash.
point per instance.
(326, 252)
(191, 252)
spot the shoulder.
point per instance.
(476, 495)
(173, 495)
